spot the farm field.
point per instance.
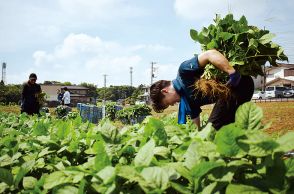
(280, 114)
(51, 155)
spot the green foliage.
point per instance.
(47, 155)
(65, 112)
(246, 47)
(92, 89)
(133, 112)
(10, 94)
(110, 110)
(114, 93)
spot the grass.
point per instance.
(16, 109)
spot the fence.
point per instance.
(274, 100)
(92, 113)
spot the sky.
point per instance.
(81, 40)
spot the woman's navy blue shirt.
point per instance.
(189, 72)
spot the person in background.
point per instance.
(59, 96)
(29, 96)
(66, 97)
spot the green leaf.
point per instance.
(194, 34)
(29, 182)
(180, 188)
(66, 190)
(289, 163)
(44, 152)
(226, 35)
(41, 128)
(199, 150)
(63, 129)
(6, 176)
(234, 63)
(107, 189)
(253, 44)
(145, 154)
(156, 177)
(184, 172)
(128, 172)
(3, 187)
(102, 159)
(226, 140)
(25, 168)
(107, 174)
(266, 38)
(5, 160)
(56, 178)
(212, 45)
(82, 186)
(108, 130)
(160, 137)
(243, 21)
(280, 51)
(240, 189)
(258, 143)
(201, 170)
(214, 187)
(155, 127)
(162, 151)
(248, 116)
(286, 142)
(207, 132)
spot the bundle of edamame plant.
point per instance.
(248, 48)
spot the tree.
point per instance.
(67, 83)
(92, 92)
(114, 93)
(10, 93)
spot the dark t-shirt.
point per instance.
(189, 72)
(29, 97)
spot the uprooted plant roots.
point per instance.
(212, 89)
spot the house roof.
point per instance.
(279, 79)
(281, 65)
(287, 65)
(75, 87)
(62, 86)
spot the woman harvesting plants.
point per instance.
(240, 89)
(232, 53)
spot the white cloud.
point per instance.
(162, 69)
(206, 10)
(83, 58)
(151, 47)
(99, 9)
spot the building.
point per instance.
(145, 97)
(77, 94)
(282, 75)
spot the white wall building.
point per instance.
(282, 75)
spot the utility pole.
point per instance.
(104, 75)
(264, 78)
(152, 72)
(3, 73)
(131, 75)
(104, 103)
